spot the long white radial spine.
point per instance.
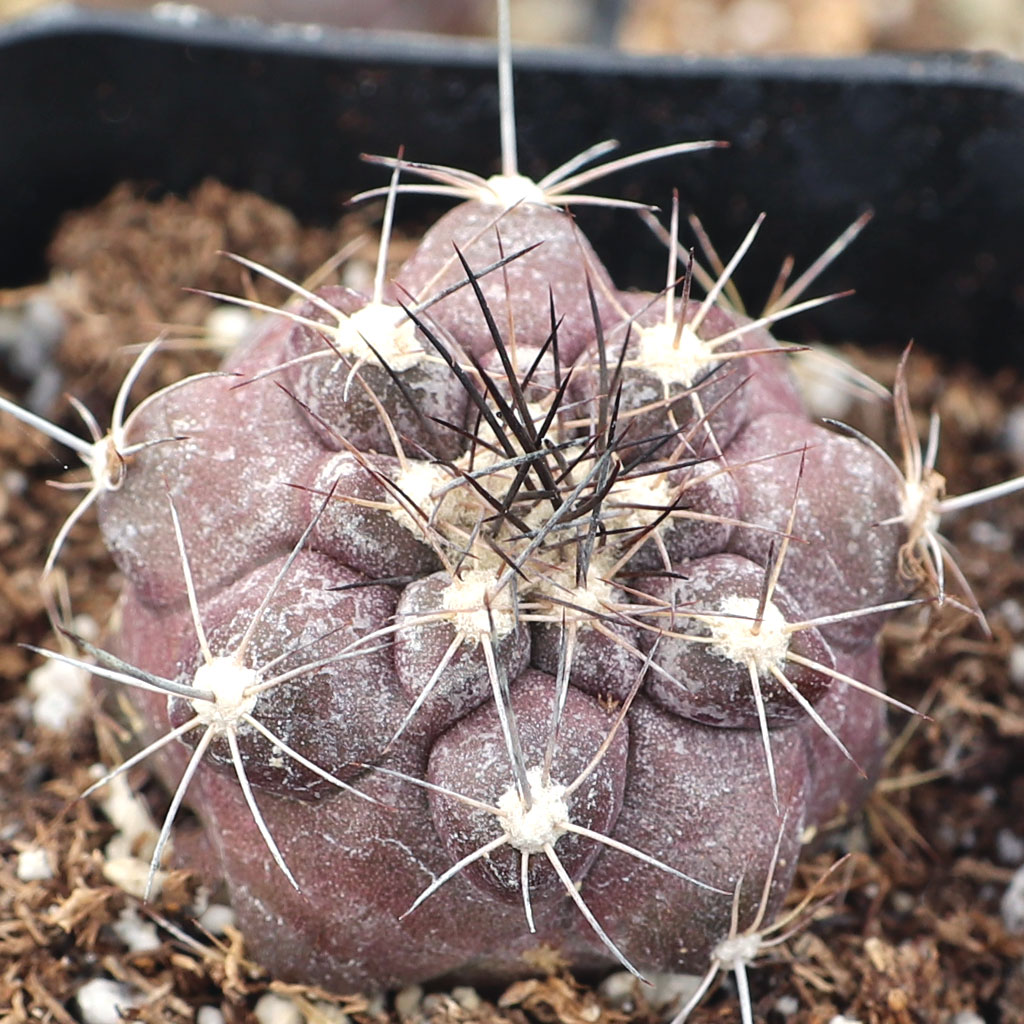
(506, 95)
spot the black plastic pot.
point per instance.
(935, 145)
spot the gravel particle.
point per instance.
(1012, 904)
(407, 1002)
(274, 1009)
(34, 865)
(1016, 666)
(137, 934)
(1013, 433)
(60, 695)
(1009, 847)
(466, 997)
(101, 1001)
(217, 918)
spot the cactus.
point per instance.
(502, 609)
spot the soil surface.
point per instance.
(923, 923)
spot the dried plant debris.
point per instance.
(480, 626)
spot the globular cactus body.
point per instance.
(539, 648)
